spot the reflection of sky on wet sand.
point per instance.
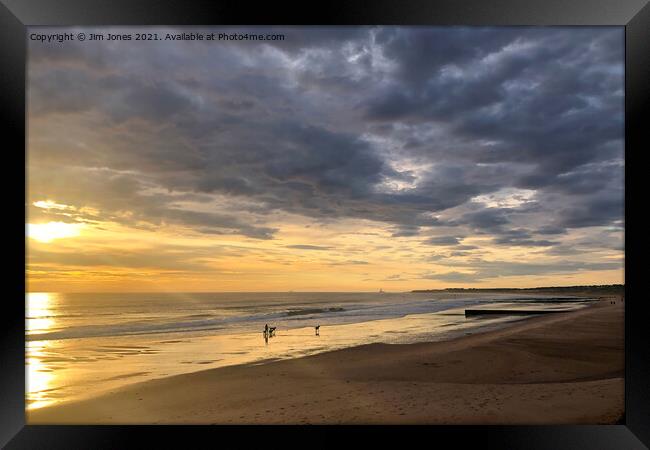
(40, 377)
(70, 369)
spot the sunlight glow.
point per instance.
(47, 232)
(49, 204)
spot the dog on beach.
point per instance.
(269, 331)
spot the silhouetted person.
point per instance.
(266, 329)
(317, 328)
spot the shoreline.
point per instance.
(538, 370)
(84, 376)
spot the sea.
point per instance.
(80, 345)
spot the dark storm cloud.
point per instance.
(596, 211)
(406, 231)
(442, 46)
(443, 240)
(523, 240)
(488, 219)
(394, 125)
(550, 99)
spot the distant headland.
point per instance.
(602, 288)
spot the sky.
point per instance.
(337, 159)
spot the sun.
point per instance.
(47, 232)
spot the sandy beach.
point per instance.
(555, 369)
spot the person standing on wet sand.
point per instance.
(317, 328)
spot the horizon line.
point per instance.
(336, 292)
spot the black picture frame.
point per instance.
(16, 15)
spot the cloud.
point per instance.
(349, 262)
(454, 277)
(522, 238)
(482, 270)
(119, 197)
(443, 240)
(406, 231)
(394, 277)
(159, 257)
(404, 127)
(308, 247)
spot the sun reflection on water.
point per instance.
(39, 376)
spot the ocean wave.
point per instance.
(296, 315)
(310, 311)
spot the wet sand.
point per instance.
(562, 368)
